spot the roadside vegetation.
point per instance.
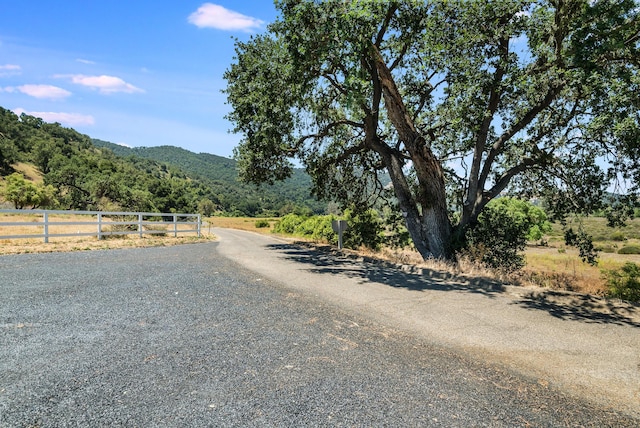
(547, 261)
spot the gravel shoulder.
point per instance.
(585, 346)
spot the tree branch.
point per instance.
(385, 25)
(495, 94)
(334, 82)
(505, 178)
(517, 127)
(400, 56)
(325, 131)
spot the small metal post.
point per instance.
(140, 224)
(339, 226)
(99, 226)
(46, 227)
(175, 226)
(199, 225)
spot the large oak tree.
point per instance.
(458, 102)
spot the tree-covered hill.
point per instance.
(78, 174)
(221, 174)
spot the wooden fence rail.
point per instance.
(106, 223)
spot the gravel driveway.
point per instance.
(183, 336)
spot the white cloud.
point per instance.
(44, 91)
(9, 70)
(104, 84)
(85, 61)
(214, 16)
(71, 119)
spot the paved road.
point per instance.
(585, 346)
(189, 336)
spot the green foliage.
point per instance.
(365, 229)
(288, 224)
(541, 98)
(618, 236)
(26, 194)
(624, 283)
(629, 249)
(317, 228)
(220, 176)
(206, 207)
(606, 249)
(502, 231)
(584, 242)
(396, 233)
(84, 177)
(94, 174)
(500, 236)
(9, 133)
(260, 224)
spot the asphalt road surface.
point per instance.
(252, 331)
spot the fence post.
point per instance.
(175, 226)
(99, 226)
(199, 225)
(46, 227)
(140, 224)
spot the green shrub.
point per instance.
(499, 237)
(288, 224)
(624, 283)
(319, 228)
(260, 224)
(606, 249)
(365, 229)
(501, 233)
(618, 236)
(630, 249)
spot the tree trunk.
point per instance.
(427, 217)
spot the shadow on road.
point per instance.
(367, 269)
(565, 306)
(581, 307)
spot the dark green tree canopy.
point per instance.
(459, 102)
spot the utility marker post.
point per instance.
(339, 226)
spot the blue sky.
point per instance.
(138, 73)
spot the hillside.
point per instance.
(220, 173)
(75, 173)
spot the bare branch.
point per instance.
(517, 127)
(325, 131)
(385, 25)
(475, 182)
(505, 178)
(334, 82)
(400, 56)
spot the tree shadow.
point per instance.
(581, 307)
(325, 260)
(561, 305)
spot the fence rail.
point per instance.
(105, 223)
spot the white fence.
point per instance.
(104, 223)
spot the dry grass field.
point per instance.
(241, 223)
